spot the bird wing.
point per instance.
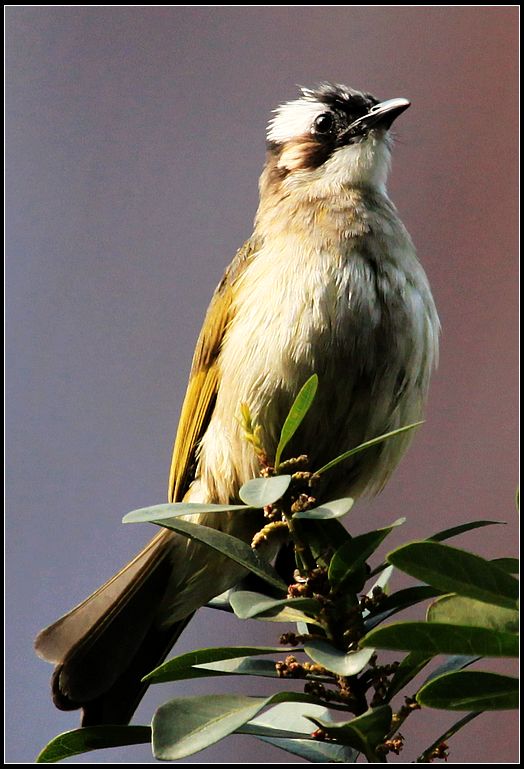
(203, 384)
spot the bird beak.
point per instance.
(381, 115)
(386, 112)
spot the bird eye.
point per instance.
(323, 123)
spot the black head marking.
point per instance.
(343, 106)
(341, 99)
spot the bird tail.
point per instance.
(104, 646)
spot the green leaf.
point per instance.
(302, 628)
(410, 667)
(221, 602)
(230, 546)
(456, 571)
(160, 512)
(414, 662)
(328, 510)
(187, 725)
(260, 492)
(408, 596)
(453, 662)
(470, 690)
(454, 531)
(290, 714)
(511, 565)
(267, 728)
(367, 445)
(458, 610)
(440, 638)
(314, 751)
(269, 731)
(335, 509)
(426, 756)
(92, 738)
(183, 666)
(447, 534)
(339, 662)
(397, 601)
(247, 605)
(354, 554)
(363, 733)
(382, 581)
(324, 537)
(245, 666)
(297, 412)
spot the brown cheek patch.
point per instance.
(303, 154)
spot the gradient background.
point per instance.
(135, 137)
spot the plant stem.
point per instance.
(424, 757)
(305, 559)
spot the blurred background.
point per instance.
(135, 137)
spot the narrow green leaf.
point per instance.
(267, 727)
(457, 571)
(299, 742)
(297, 412)
(447, 534)
(247, 604)
(382, 581)
(454, 531)
(408, 596)
(354, 553)
(335, 509)
(260, 492)
(160, 512)
(245, 666)
(314, 751)
(230, 546)
(397, 601)
(339, 662)
(90, 738)
(184, 666)
(458, 610)
(439, 638)
(290, 714)
(187, 725)
(410, 667)
(268, 731)
(367, 445)
(511, 565)
(363, 733)
(426, 756)
(470, 690)
(221, 602)
(453, 662)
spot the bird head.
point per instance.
(331, 137)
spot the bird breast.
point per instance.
(354, 308)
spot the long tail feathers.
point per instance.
(117, 705)
(106, 644)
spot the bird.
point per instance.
(329, 283)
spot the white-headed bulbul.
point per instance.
(328, 283)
